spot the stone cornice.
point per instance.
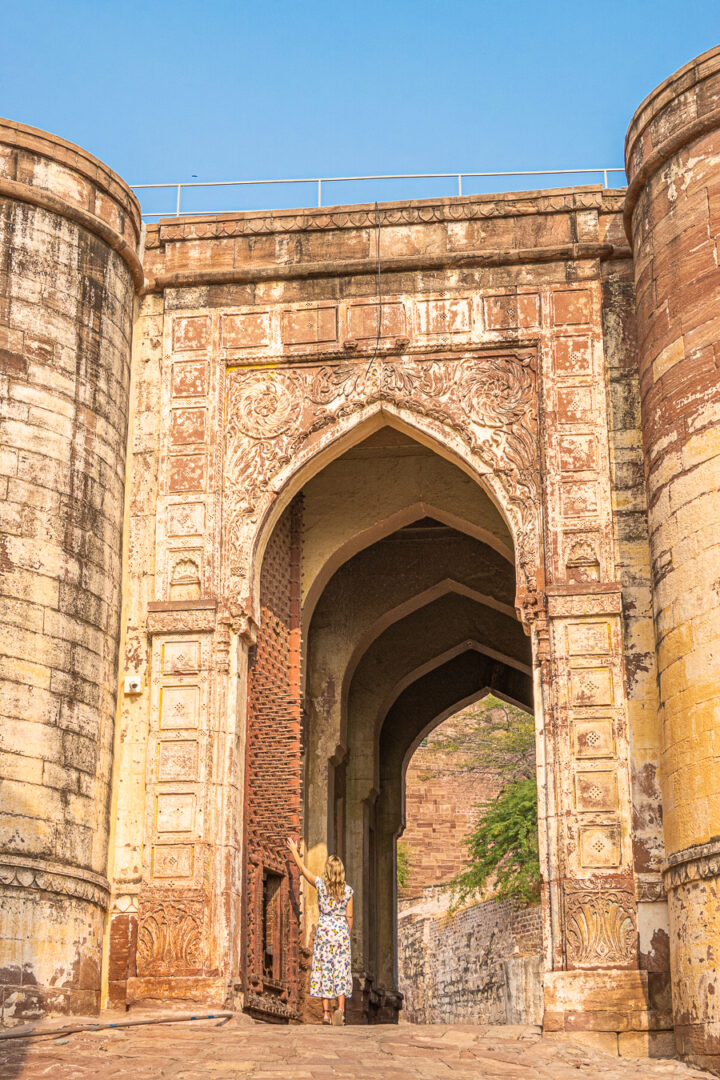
(17, 871)
(365, 216)
(697, 863)
(245, 275)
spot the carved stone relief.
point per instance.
(486, 403)
(170, 937)
(600, 925)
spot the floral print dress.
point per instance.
(331, 975)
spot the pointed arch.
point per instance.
(264, 473)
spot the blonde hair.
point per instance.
(335, 877)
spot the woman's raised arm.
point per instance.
(300, 864)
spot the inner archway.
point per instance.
(389, 584)
(469, 958)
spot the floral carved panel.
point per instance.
(483, 408)
(600, 925)
(170, 937)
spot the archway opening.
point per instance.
(387, 596)
(470, 956)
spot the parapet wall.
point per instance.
(69, 232)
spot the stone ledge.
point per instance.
(588, 599)
(23, 873)
(697, 863)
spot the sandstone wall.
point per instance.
(479, 966)
(69, 231)
(671, 212)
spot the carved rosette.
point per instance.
(170, 937)
(600, 926)
(486, 404)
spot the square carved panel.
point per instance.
(178, 760)
(572, 307)
(573, 356)
(175, 812)
(190, 378)
(191, 333)
(577, 453)
(594, 738)
(188, 425)
(588, 638)
(576, 405)
(186, 472)
(180, 657)
(173, 860)
(579, 498)
(591, 686)
(600, 846)
(247, 331)
(179, 707)
(186, 519)
(596, 790)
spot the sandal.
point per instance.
(326, 1018)
(338, 1018)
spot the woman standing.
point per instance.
(331, 977)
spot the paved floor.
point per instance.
(242, 1048)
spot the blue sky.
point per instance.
(163, 91)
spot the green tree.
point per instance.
(503, 845)
(404, 864)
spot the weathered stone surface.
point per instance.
(524, 386)
(672, 152)
(69, 230)
(242, 1047)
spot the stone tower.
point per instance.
(69, 235)
(672, 215)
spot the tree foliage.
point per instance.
(503, 848)
(404, 864)
(503, 855)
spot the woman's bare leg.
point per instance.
(341, 1003)
(326, 1006)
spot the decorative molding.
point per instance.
(125, 904)
(22, 873)
(486, 403)
(600, 925)
(697, 863)
(650, 888)
(181, 617)
(417, 212)
(565, 601)
(170, 937)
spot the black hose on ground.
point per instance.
(172, 1018)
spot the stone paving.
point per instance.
(242, 1048)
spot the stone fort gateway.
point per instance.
(266, 525)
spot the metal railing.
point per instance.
(318, 181)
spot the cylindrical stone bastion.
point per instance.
(673, 220)
(69, 234)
